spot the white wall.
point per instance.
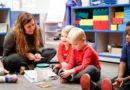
(43, 5)
(36, 6)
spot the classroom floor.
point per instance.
(108, 70)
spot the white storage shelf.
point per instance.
(52, 29)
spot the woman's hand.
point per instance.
(30, 56)
(34, 57)
(38, 57)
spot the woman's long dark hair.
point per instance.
(21, 43)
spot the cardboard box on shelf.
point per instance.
(115, 50)
(3, 27)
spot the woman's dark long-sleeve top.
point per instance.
(9, 46)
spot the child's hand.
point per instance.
(65, 73)
(55, 66)
(118, 83)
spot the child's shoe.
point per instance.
(106, 84)
(85, 82)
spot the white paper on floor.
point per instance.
(40, 74)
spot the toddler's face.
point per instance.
(64, 38)
(77, 44)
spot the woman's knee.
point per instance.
(53, 51)
(9, 62)
(10, 58)
(48, 52)
(13, 61)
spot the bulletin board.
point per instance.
(56, 11)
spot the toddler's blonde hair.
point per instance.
(76, 34)
(67, 28)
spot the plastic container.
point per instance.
(43, 65)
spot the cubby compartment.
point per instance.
(1, 44)
(37, 18)
(117, 9)
(84, 13)
(4, 26)
(90, 38)
(109, 44)
(4, 20)
(117, 18)
(50, 36)
(52, 32)
(81, 16)
(4, 16)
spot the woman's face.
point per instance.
(30, 27)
